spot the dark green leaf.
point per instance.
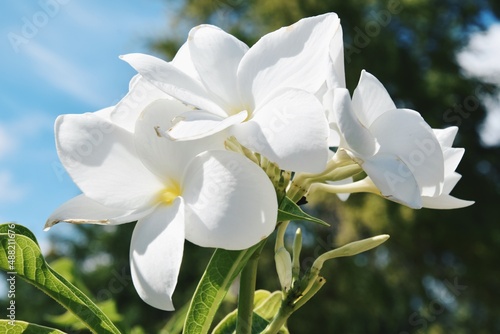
(289, 210)
(221, 271)
(20, 254)
(18, 327)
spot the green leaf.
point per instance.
(69, 320)
(176, 321)
(228, 324)
(66, 267)
(259, 297)
(221, 271)
(20, 254)
(265, 309)
(289, 210)
(18, 327)
(268, 308)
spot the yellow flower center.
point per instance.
(169, 194)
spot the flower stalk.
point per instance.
(246, 293)
(340, 167)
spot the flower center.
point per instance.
(237, 109)
(169, 194)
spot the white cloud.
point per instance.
(15, 133)
(9, 191)
(32, 124)
(481, 59)
(63, 74)
(7, 143)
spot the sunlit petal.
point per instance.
(337, 78)
(166, 158)
(183, 62)
(83, 210)
(198, 124)
(141, 93)
(230, 201)
(290, 130)
(446, 136)
(216, 56)
(370, 99)
(173, 81)
(394, 179)
(156, 254)
(101, 159)
(405, 134)
(295, 56)
(359, 139)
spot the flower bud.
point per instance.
(284, 268)
(297, 247)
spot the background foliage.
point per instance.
(439, 271)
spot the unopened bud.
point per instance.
(350, 249)
(284, 267)
(297, 247)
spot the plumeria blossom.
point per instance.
(264, 94)
(189, 190)
(396, 148)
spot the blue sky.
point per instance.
(58, 57)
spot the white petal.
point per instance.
(83, 210)
(404, 133)
(334, 136)
(173, 81)
(216, 56)
(105, 113)
(452, 157)
(445, 201)
(156, 254)
(356, 135)
(295, 56)
(183, 62)
(230, 201)
(198, 124)
(290, 130)
(101, 159)
(164, 157)
(370, 99)
(446, 136)
(141, 93)
(337, 78)
(394, 179)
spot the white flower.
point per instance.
(264, 94)
(452, 157)
(395, 147)
(175, 190)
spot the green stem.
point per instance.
(246, 293)
(279, 320)
(280, 235)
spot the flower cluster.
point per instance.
(186, 153)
